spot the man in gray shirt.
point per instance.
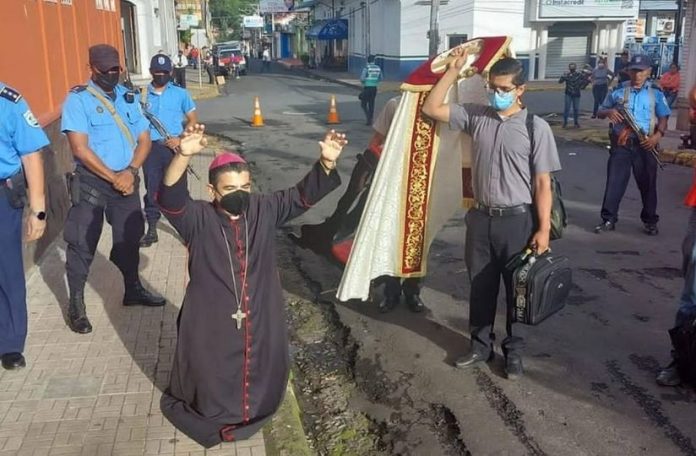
(512, 190)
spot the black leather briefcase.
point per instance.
(541, 285)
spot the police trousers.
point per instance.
(83, 228)
(155, 165)
(491, 241)
(623, 159)
(13, 290)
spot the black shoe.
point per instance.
(415, 303)
(77, 316)
(513, 367)
(669, 376)
(12, 361)
(606, 225)
(473, 358)
(651, 229)
(151, 236)
(137, 295)
(388, 304)
(594, 116)
(577, 125)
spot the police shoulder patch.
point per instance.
(78, 88)
(30, 119)
(10, 94)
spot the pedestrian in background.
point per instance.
(266, 60)
(370, 77)
(622, 68)
(670, 83)
(180, 64)
(648, 105)
(21, 141)
(110, 139)
(600, 78)
(575, 82)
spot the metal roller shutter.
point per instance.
(563, 50)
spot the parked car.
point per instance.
(228, 59)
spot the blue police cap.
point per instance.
(639, 62)
(161, 62)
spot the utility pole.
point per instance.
(678, 19)
(434, 33)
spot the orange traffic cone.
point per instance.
(257, 119)
(333, 118)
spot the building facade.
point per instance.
(547, 34)
(148, 26)
(688, 65)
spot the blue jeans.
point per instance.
(687, 302)
(575, 101)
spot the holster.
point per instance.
(15, 187)
(80, 191)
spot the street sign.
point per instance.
(276, 6)
(253, 21)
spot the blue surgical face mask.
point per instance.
(501, 102)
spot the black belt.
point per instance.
(501, 211)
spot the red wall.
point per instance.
(45, 43)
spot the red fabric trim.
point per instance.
(491, 45)
(424, 164)
(244, 299)
(168, 211)
(227, 433)
(691, 196)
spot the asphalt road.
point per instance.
(589, 385)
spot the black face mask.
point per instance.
(235, 202)
(107, 81)
(161, 80)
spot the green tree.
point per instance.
(227, 16)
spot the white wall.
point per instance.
(456, 18)
(503, 17)
(381, 37)
(154, 32)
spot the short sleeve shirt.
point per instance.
(503, 166)
(170, 107)
(84, 113)
(386, 115)
(639, 103)
(20, 133)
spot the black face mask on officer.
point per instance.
(107, 80)
(235, 203)
(161, 79)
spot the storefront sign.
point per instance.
(253, 21)
(276, 6)
(588, 8)
(635, 28)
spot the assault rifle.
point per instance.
(630, 121)
(159, 126)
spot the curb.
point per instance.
(284, 435)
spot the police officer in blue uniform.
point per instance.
(172, 106)
(648, 105)
(21, 141)
(110, 139)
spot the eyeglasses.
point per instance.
(499, 90)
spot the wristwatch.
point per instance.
(133, 170)
(41, 215)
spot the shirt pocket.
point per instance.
(101, 127)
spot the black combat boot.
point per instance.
(77, 316)
(151, 235)
(137, 295)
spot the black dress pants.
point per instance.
(491, 241)
(393, 286)
(623, 159)
(83, 228)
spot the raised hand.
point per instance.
(193, 140)
(458, 56)
(331, 146)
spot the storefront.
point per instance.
(329, 46)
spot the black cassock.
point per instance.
(227, 382)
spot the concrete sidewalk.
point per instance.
(98, 394)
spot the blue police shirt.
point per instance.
(20, 133)
(638, 103)
(84, 113)
(170, 107)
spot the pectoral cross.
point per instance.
(239, 316)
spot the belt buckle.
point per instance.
(495, 211)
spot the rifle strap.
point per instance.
(651, 97)
(114, 114)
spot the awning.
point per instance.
(328, 29)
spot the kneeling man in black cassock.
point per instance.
(231, 364)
